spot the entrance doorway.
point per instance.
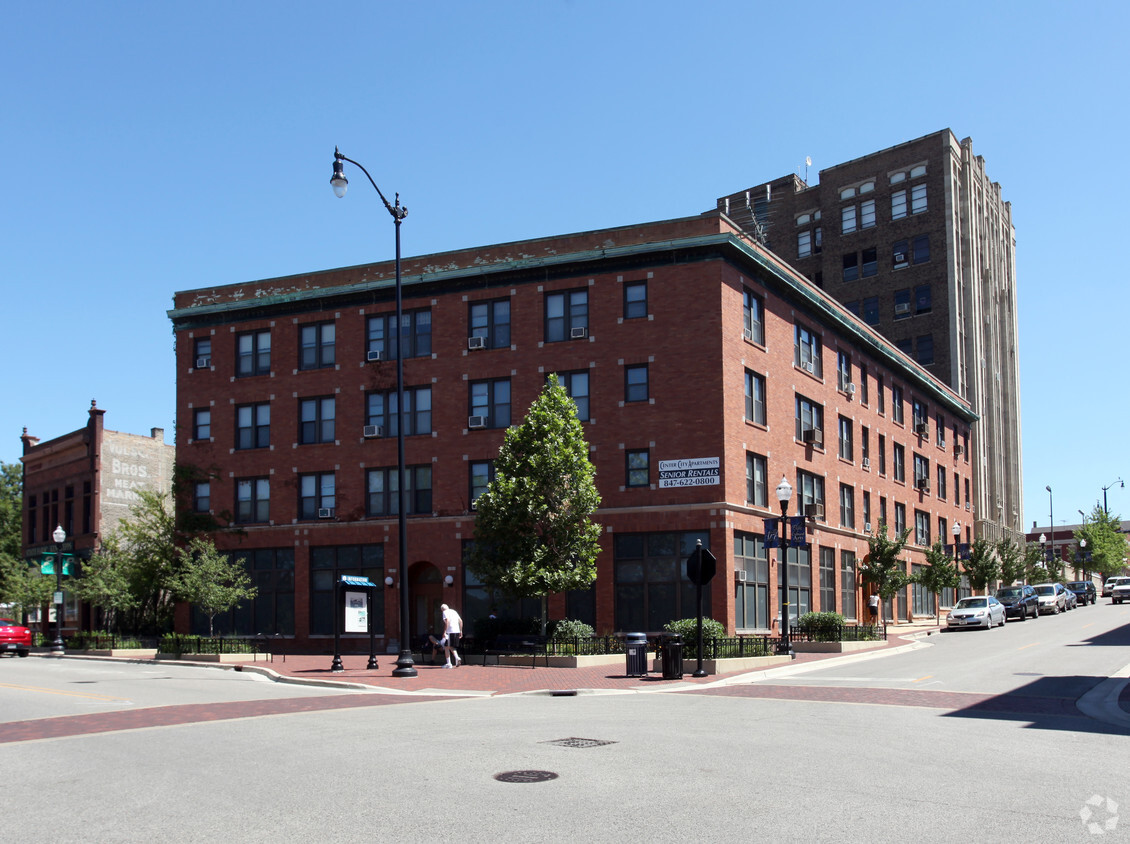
(424, 615)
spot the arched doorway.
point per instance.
(426, 590)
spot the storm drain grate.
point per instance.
(526, 776)
(578, 742)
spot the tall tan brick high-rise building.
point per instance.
(917, 241)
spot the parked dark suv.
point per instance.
(1019, 602)
(1084, 590)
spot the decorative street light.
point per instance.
(404, 665)
(1121, 485)
(60, 536)
(784, 494)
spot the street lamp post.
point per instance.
(60, 536)
(784, 493)
(404, 665)
(1051, 522)
(1121, 485)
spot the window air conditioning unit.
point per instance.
(371, 431)
(203, 363)
(578, 333)
(476, 342)
(851, 388)
(814, 511)
(958, 449)
(900, 257)
(867, 527)
(922, 484)
(740, 575)
(922, 429)
(476, 421)
(475, 504)
(374, 356)
(902, 307)
(866, 462)
(966, 505)
(747, 334)
(810, 367)
(325, 513)
(813, 436)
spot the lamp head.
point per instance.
(1048, 488)
(338, 181)
(59, 535)
(957, 528)
(784, 491)
(1043, 539)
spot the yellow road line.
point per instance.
(920, 679)
(1022, 647)
(58, 692)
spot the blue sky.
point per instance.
(154, 147)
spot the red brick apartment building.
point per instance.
(680, 340)
(86, 481)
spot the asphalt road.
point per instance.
(722, 762)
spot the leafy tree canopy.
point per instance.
(982, 566)
(210, 579)
(1105, 543)
(939, 573)
(882, 567)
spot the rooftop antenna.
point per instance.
(807, 164)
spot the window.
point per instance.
(751, 603)
(847, 506)
(755, 398)
(316, 495)
(635, 383)
(202, 352)
(635, 300)
(847, 584)
(922, 303)
(902, 303)
(865, 443)
(253, 353)
(866, 509)
(756, 480)
(482, 473)
(851, 266)
(649, 578)
(490, 400)
(809, 417)
(905, 345)
(900, 518)
(919, 412)
(327, 565)
(899, 454)
(253, 500)
(882, 454)
(415, 340)
(638, 468)
(870, 258)
(804, 244)
(896, 403)
(883, 509)
(921, 249)
(566, 315)
(900, 256)
(253, 426)
(827, 579)
(921, 528)
(863, 393)
(202, 424)
(846, 449)
(924, 350)
(843, 371)
(316, 420)
(576, 384)
(867, 214)
(921, 471)
(753, 317)
(202, 496)
(898, 204)
(383, 485)
(880, 394)
(940, 430)
(316, 346)
(806, 351)
(848, 219)
(918, 199)
(810, 492)
(491, 322)
(381, 411)
(271, 611)
(941, 490)
(871, 310)
(853, 306)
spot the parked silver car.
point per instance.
(1052, 597)
(977, 611)
(1119, 589)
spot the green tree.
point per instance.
(1035, 570)
(24, 588)
(940, 572)
(534, 533)
(105, 583)
(1105, 543)
(210, 580)
(882, 567)
(1011, 561)
(982, 566)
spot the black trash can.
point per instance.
(635, 654)
(672, 651)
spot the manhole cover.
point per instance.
(526, 776)
(578, 742)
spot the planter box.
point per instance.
(139, 653)
(221, 658)
(834, 647)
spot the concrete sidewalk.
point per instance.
(480, 680)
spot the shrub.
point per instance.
(687, 628)
(822, 626)
(568, 628)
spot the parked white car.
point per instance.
(1120, 590)
(977, 611)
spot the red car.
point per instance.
(14, 638)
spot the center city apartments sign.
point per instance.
(695, 471)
